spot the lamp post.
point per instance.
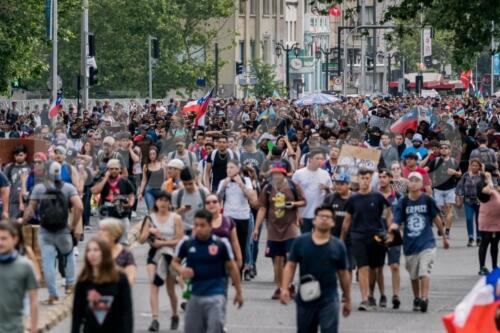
(327, 53)
(284, 47)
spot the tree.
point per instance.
(469, 22)
(266, 83)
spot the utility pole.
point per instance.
(361, 89)
(84, 49)
(492, 91)
(216, 54)
(55, 81)
(150, 76)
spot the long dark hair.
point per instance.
(108, 271)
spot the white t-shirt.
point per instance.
(235, 202)
(309, 182)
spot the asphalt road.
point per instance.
(455, 272)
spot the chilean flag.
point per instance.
(56, 106)
(466, 79)
(408, 121)
(334, 11)
(478, 310)
(203, 102)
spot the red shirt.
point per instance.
(422, 171)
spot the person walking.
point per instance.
(321, 259)
(415, 213)
(209, 261)
(279, 202)
(17, 273)
(163, 230)
(316, 184)
(103, 298)
(216, 165)
(364, 213)
(153, 176)
(51, 200)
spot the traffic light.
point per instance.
(239, 68)
(91, 45)
(419, 84)
(369, 64)
(156, 48)
(428, 61)
(93, 78)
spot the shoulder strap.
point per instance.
(190, 155)
(180, 194)
(202, 195)
(293, 188)
(212, 156)
(404, 204)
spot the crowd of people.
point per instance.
(256, 168)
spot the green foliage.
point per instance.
(266, 81)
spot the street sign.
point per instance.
(332, 67)
(337, 83)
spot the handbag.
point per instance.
(310, 289)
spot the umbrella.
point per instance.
(316, 99)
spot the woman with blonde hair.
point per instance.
(103, 299)
(111, 230)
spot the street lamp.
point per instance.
(284, 47)
(327, 53)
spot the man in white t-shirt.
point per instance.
(315, 183)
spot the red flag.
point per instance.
(466, 78)
(200, 115)
(334, 11)
(408, 121)
(55, 107)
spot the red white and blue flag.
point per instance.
(408, 121)
(199, 107)
(55, 107)
(478, 310)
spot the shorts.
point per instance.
(444, 197)
(157, 281)
(324, 314)
(393, 255)
(367, 252)
(420, 264)
(278, 248)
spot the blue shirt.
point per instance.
(417, 223)
(421, 151)
(208, 260)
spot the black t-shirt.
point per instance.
(366, 211)
(129, 163)
(219, 165)
(338, 204)
(438, 171)
(320, 261)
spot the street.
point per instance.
(455, 272)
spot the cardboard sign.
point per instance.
(33, 145)
(353, 158)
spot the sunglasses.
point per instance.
(211, 202)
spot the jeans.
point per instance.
(471, 211)
(50, 243)
(86, 206)
(248, 260)
(150, 196)
(255, 246)
(322, 313)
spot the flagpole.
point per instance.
(55, 83)
(492, 81)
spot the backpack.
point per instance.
(485, 156)
(174, 153)
(292, 186)
(54, 208)
(181, 194)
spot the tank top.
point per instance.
(225, 228)
(156, 178)
(167, 228)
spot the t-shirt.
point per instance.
(320, 261)
(255, 160)
(438, 171)
(125, 258)
(310, 182)
(4, 182)
(338, 204)
(219, 165)
(366, 211)
(13, 173)
(417, 223)
(427, 180)
(208, 260)
(235, 202)
(16, 278)
(189, 199)
(281, 222)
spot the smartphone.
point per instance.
(288, 205)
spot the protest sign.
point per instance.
(353, 158)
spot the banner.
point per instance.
(31, 144)
(496, 64)
(380, 122)
(427, 42)
(353, 158)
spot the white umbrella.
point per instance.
(316, 99)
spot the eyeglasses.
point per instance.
(324, 217)
(211, 202)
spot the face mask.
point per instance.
(8, 258)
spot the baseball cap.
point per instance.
(71, 154)
(342, 177)
(278, 167)
(61, 150)
(266, 136)
(415, 174)
(176, 163)
(55, 169)
(417, 137)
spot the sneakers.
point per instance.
(183, 305)
(424, 304)
(447, 232)
(470, 243)
(174, 323)
(69, 289)
(372, 302)
(364, 306)
(276, 294)
(395, 302)
(483, 271)
(382, 301)
(440, 234)
(246, 275)
(155, 326)
(51, 300)
(416, 304)
(133, 215)
(76, 252)
(478, 242)
(87, 228)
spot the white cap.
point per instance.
(55, 169)
(415, 174)
(176, 163)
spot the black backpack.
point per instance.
(54, 208)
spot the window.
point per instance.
(252, 49)
(265, 7)
(281, 7)
(242, 51)
(265, 51)
(275, 7)
(252, 7)
(242, 7)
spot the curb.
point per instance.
(50, 316)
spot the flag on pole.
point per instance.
(466, 79)
(478, 310)
(56, 106)
(203, 102)
(268, 113)
(408, 121)
(334, 11)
